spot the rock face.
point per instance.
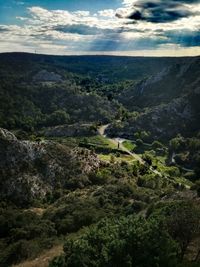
(31, 170)
(6, 135)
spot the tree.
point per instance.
(142, 135)
(57, 262)
(58, 117)
(197, 187)
(112, 159)
(124, 242)
(183, 222)
(197, 169)
(176, 143)
(147, 158)
(139, 142)
(157, 144)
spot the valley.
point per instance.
(94, 156)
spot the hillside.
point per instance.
(99, 155)
(41, 91)
(111, 68)
(41, 98)
(167, 102)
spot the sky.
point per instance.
(113, 27)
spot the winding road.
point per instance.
(118, 141)
(173, 160)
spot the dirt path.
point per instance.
(101, 130)
(118, 142)
(44, 259)
(173, 160)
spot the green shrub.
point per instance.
(121, 243)
(157, 144)
(57, 262)
(139, 142)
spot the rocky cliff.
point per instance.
(30, 171)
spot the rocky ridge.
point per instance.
(32, 170)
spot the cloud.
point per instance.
(107, 13)
(82, 13)
(78, 29)
(157, 11)
(67, 31)
(3, 28)
(184, 38)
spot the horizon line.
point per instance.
(188, 52)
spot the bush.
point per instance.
(101, 177)
(190, 176)
(139, 142)
(172, 171)
(157, 144)
(120, 243)
(182, 220)
(57, 262)
(147, 158)
(58, 117)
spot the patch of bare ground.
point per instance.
(44, 259)
(38, 211)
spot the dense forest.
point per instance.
(99, 161)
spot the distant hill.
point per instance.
(114, 68)
(39, 91)
(167, 102)
(45, 91)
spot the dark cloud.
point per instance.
(116, 42)
(81, 29)
(159, 11)
(3, 29)
(77, 29)
(186, 1)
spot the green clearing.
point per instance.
(127, 158)
(129, 145)
(97, 140)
